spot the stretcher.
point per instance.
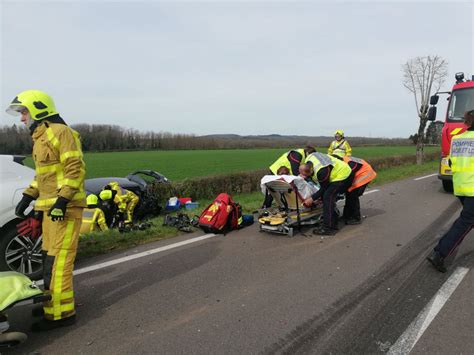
(288, 192)
(16, 289)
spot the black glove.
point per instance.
(23, 205)
(58, 211)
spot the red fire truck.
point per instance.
(461, 99)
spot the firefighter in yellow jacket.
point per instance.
(340, 146)
(93, 218)
(125, 200)
(462, 166)
(58, 191)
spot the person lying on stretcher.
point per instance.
(306, 188)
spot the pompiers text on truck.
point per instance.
(461, 99)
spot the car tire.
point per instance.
(20, 253)
(447, 185)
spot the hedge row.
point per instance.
(249, 181)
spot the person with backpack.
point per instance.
(340, 146)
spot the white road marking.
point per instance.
(371, 191)
(425, 177)
(138, 255)
(415, 330)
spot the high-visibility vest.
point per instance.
(340, 148)
(340, 170)
(283, 161)
(462, 163)
(362, 176)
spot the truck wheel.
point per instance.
(447, 185)
(20, 253)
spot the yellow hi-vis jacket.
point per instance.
(124, 197)
(340, 171)
(93, 219)
(462, 163)
(341, 148)
(283, 160)
(60, 169)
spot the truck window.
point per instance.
(462, 100)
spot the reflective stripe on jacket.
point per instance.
(462, 163)
(341, 148)
(93, 219)
(283, 161)
(60, 169)
(340, 171)
(362, 176)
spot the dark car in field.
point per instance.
(21, 253)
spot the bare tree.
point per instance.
(422, 76)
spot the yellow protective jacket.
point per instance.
(341, 148)
(284, 160)
(60, 169)
(462, 163)
(93, 219)
(340, 171)
(124, 197)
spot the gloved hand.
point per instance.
(31, 226)
(58, 211)
(23, 205)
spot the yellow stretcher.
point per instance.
(290, 213)
(15, 289)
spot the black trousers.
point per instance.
(352, 206)
(460, 228)
(330, 218)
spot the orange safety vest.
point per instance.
(363, 176)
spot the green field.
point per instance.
(179, 164)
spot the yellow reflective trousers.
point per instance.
(60, 240)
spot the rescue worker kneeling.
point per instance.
(334, 177)
(93, 218)
(125, 200)
(362, 174)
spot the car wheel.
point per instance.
(20, 253)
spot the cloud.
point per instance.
(248, 68)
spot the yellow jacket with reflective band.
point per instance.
(462, 163)
(283, 161)
(342, 148)
(93, 219)
(340, 171)
(123, 197)
(60, 169)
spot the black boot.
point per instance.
(45, 325)
(324, 230)
(437, 261)
(353, 221)
(37, 311)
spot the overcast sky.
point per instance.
(263, 67)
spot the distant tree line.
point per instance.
(101, 137)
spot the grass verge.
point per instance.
(100, 243)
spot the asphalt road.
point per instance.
(250, 292)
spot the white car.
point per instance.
(17, 253)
